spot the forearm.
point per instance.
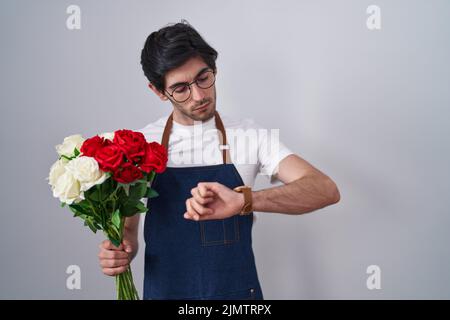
(300, 196)
(131, 226)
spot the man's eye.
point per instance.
(202, 79)
(180, 89)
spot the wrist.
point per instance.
(246, 201)
(256, 197)
(240, 202)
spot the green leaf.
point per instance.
(76, 152)
(76, 212)
(81, 208)
(126, 188)
(93, 226)
(63, 204)
(138, 191)
(151, 193)
(93, 194)
(128, 209)
(114, 241)
(106, 188)
(141, 207)
(142, 180)
(116, 219)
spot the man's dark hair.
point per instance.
(170, 47)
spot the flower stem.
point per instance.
(125, 287)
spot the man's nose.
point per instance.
(197, 93)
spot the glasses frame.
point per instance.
(190, 84)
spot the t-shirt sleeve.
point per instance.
(271, 151)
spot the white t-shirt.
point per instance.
(253, 149)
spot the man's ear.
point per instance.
(157, 92)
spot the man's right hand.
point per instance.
(115, 260)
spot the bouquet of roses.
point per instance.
(103, 179)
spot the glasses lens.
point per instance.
(206, 80)
(181, 93)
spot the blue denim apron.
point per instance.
(186, 259)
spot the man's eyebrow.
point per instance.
(181, 83)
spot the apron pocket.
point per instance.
(219, 232)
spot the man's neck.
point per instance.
(182, 119)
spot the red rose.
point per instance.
(127, 173)
(155, 158)
(109, 157)
(91, 145)
(131, 143)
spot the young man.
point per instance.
(198, 230)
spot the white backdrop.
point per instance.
(370, 108)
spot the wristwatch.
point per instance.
(247, 208)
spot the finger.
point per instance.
(112, 254)
(202, 200)
(127, 246)
(202, 194)
(215, 187)
(191, 212)
(200, 209)
(204, 190)
(108, 245)
(114, 271)
(114, 263)
(187, 216)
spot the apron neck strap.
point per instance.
(219, 125)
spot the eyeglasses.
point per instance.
(182, 92)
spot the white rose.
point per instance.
(86, 171)
(107, 135)
(56, 170)
(67, 189)
(70, 143)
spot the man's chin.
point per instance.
(203, 115)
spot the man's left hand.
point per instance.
(212, 200)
